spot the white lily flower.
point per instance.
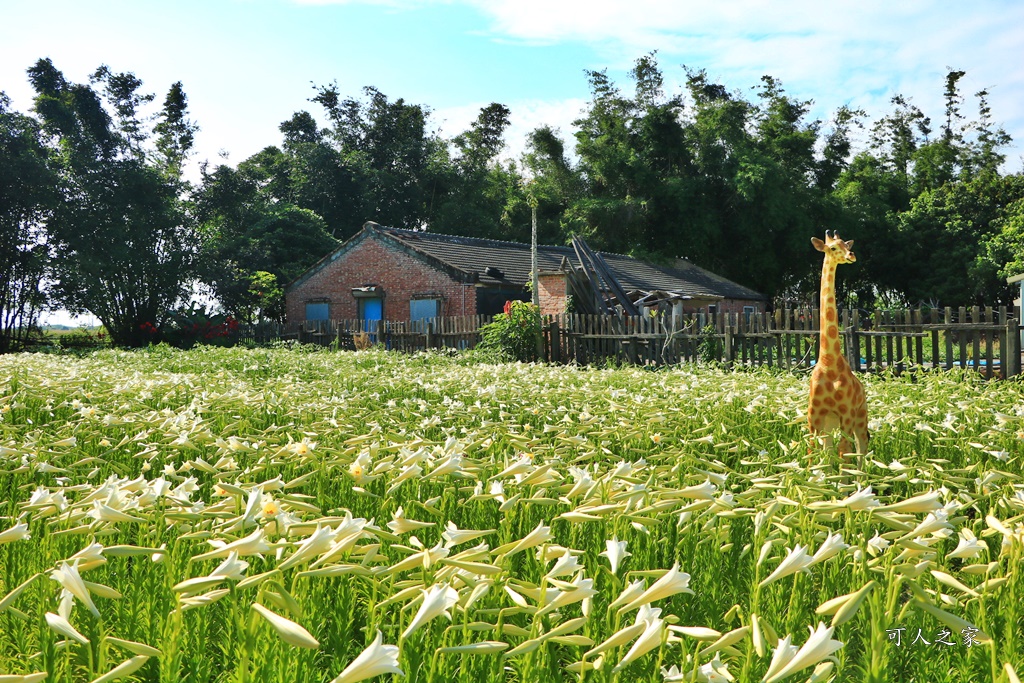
(253, 504)
(542, 534)
(648, 640)
(408, 472)
(67, 602)
(453, 536)
(62, 626)
(69, 579)
(671, 583)
(672, 674)
(830, 547)
(18, 532)
(620, 637)
(877, 545)
(231, 568)
(26, 678)
(630, 592)
(125, 668)
(253, 544)
(935, 521)
(105, 513)
(522, 465)
(316, 544)
(646, 614)
(968, 547)
(715, 671)
(565, 565)
(925, 502)
(818, 646)
(705, 491)
(437, 600)
(581, 590)
(796, 561)
(288, 630)
(781, 656)
(400, 524)
(450, 465)
(861, 499)
(360, 468)
(615, 551)
(375, 660)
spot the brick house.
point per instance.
(395, 274)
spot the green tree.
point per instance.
(388, 142)
(26, 201)
(246, 230)
(480, 195)
(943, 237)
(123, 242)
(1003, 251)
(556, 184)
(665, 177)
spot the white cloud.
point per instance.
(859, 54)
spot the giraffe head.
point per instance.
(835, 248)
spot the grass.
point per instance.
(163, 456)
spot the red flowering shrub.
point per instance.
(196, 326)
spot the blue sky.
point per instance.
(247, 65)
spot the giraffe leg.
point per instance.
(822, 427)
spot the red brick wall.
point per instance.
(398, 274)
(553, 293)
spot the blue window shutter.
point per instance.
(317, 311)
(419, 309)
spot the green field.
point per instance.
(633, 525)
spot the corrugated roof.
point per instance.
(472, 254)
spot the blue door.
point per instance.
(371, 312)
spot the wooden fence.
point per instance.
(986, 340)
(983, 339)
(459, 332)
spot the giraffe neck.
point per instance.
(829, 333)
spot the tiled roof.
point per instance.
(474, 255)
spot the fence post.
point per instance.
(855, 341)
(727, 343)
(555, 350)
(1012, 348)
(631, 350)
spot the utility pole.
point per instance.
(533, 254)
(535, 277)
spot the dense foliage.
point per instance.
(101, 220)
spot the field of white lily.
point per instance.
(282, 515)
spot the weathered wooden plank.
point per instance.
(989, 344)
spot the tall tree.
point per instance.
(26, 200)
(480, 195)
(390, 145)
(249, 227)
(123, 243)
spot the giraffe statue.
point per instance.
(837, 398)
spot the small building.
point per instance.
(1019, 281)
(395, 274)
